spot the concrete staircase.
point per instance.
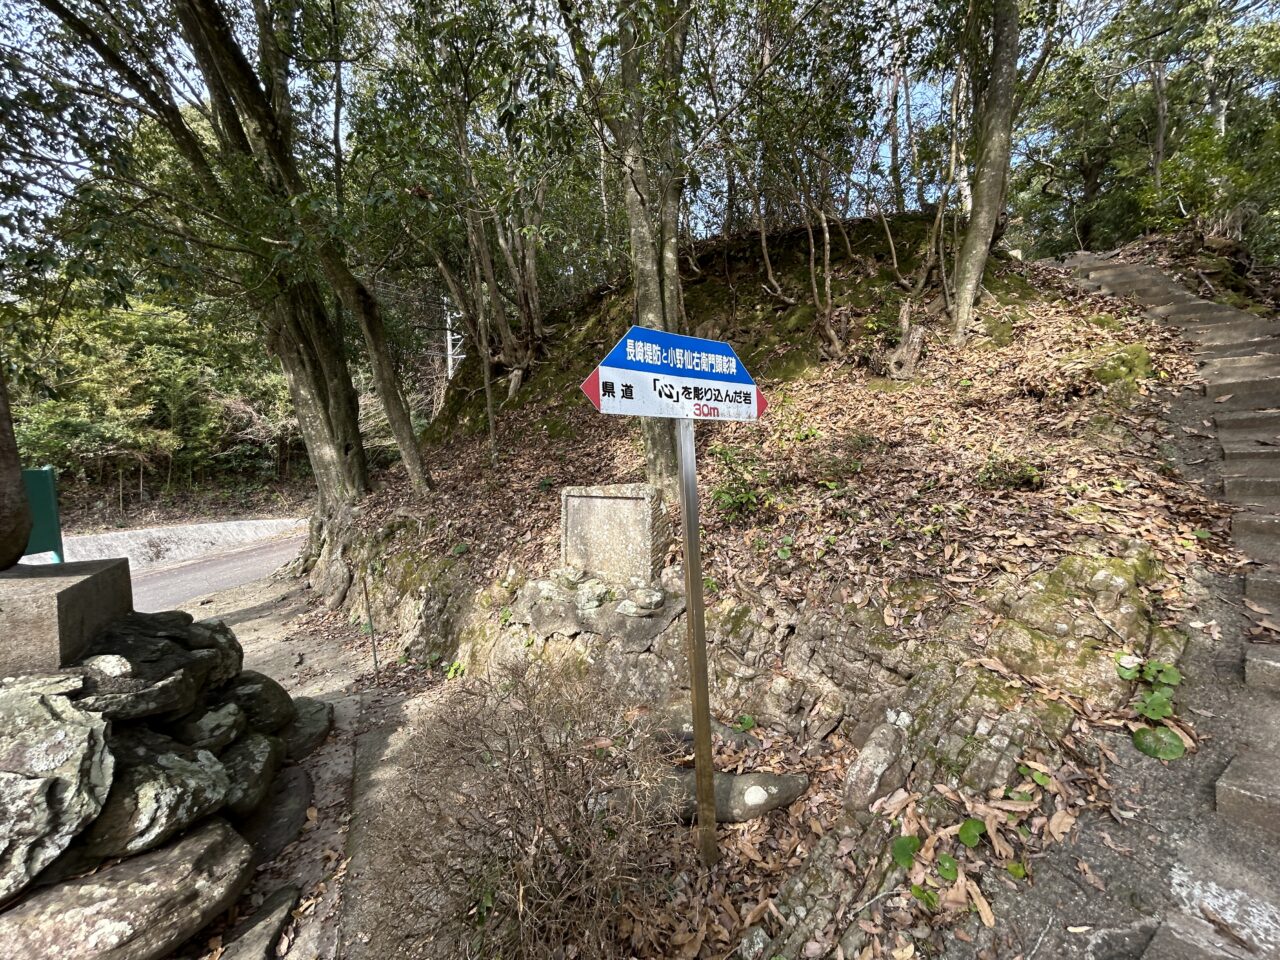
(1240, 359)
(1241, 367)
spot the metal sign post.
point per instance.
(695, 613)
(652, 373)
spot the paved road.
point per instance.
(168, 588)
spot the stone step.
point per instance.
(1263, 588)
(1161, 296)
(1257, 534)
(1250, 468)
(1201, 309)
(1268, 506)
(1246, 792)
(1138, 287)
(1081, 261)
(1256, 447)
(1264, 362)
(1246, 489)
(1197, 324)
(1252, 394)
(1262, 666)
(1231, 332)
(1247, 420)
(1239, 398)
(1248, 348)
(1117, 270)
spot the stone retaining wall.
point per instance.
(922, 709)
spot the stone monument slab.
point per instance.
(50, 613)
(617, 532)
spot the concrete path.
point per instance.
(170, 587)
(270, 619)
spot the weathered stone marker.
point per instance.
(618, 532)
(652, 373)
(50, 614)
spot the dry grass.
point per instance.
(533, 820)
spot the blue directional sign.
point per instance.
(652, 373)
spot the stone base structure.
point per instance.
(50, 614)
(134, 784)
(617, 532)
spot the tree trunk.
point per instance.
(895, 165)
(994, 129)
(264, 100)
(15, 514)
(357, 298)
(323, 397)
(651, 310)
(1160, 91)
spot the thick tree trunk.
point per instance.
(264, 101)
(991, 168)
(357, 298)
(15, 515)
(315, 368)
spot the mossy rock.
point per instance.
(999, 330)
(791, 365)
(730, 620)
(1110, 365)
(1081, 666)
(1084, 512)
(800, 317)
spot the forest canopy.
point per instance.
(207, 206)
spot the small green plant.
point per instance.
(456, 669)
(926, 896)
(904, 850)
(971, 832)
(1157, 682)
(546, 483)
(948, 867)
(710, 585)
(743, 491)
(459, 549)
(744, 723)
(505, 616)
(1001, 472)
(784, 551)
(1041, 778)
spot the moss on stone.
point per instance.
(1110, 364)
(999, 330)
(731, 620)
